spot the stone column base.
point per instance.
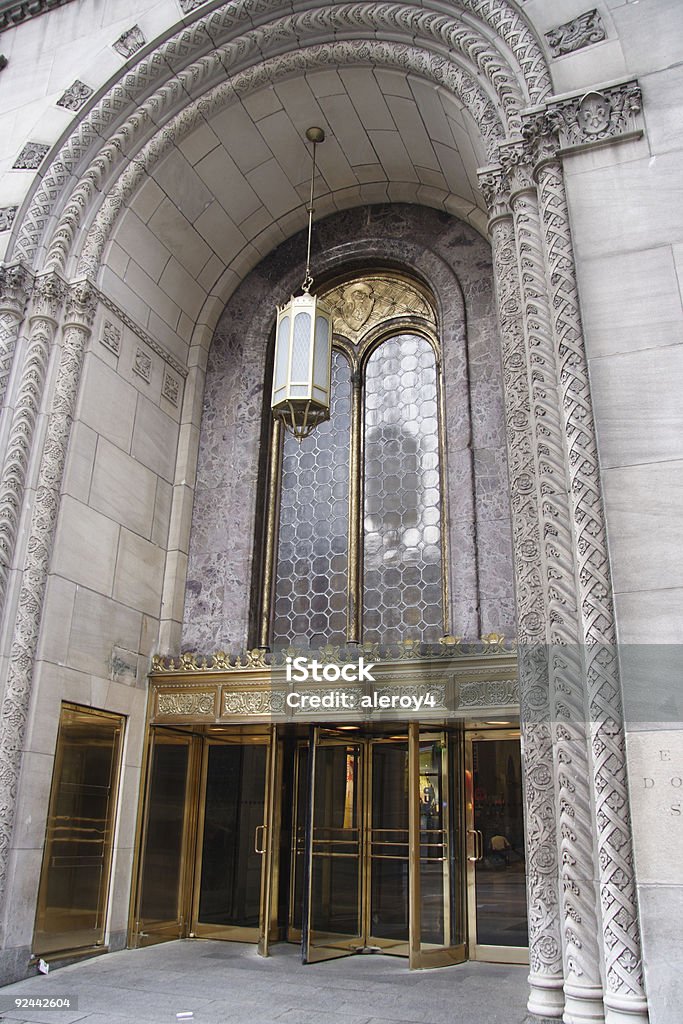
(546, 998)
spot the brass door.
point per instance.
(233, 863)
(437, 934)
(333, 857)
(206, 859)
(379, 872)
(496, 884)
(74, 880)
(164, 890)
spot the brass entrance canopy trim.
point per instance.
(490, 645)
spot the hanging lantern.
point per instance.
(303, 350)
(303, 347)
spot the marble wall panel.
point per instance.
(456, 263)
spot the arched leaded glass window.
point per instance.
(402, 555)
(357, 538)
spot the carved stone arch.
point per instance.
(474, 37)
(367, 53)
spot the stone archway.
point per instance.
(486, 56)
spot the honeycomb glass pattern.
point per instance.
(402, 593)
(311, 578)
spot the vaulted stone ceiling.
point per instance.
(238, 185)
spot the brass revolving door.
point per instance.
(377, 859)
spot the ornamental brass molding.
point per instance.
(490, 645)
(360, 304)
(458, 677)
(186, 703)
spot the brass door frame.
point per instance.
(103, 906)
(424, 956)
(198, 741)
(477, 951)
(297, 841)
(262, 845)
(392, 947)
(164, 931)
(342, 944)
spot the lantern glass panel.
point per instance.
(301, 348)
(282, 357)
(321, 364)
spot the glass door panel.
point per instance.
(388, 847)
(233, 840)
(74, 881)
(436, 919)
(162, 904)
(496, 862)
(332, 916)
(298, 843)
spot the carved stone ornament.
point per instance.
(142, 365)
(170, 388)
(75, 96)
(81, 305)
(130, 42)
(47, 298)
(15, 284)
(187, 6)
(142, 334)
(13, 13)
(495, 188)
(111, 337)
(576, 34)
(31, 156)
(489, 694)
(595, 118)
(7, 215)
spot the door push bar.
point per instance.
(478, 845)
(260, 848)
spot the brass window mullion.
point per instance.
(355, 570)
(443, 482)
(270, 552)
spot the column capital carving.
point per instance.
(539, 136)
(15, 287)
(495, 188)
(47, 297)
(517, 160)
(81, 305)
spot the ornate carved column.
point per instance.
(545, 944)
(624, 997)
(77, 323)
(14, 290)
(46, 303)
(580, 926)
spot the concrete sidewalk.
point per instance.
(228, 983)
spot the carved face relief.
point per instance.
(594, 113)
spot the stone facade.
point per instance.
(156, 213)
